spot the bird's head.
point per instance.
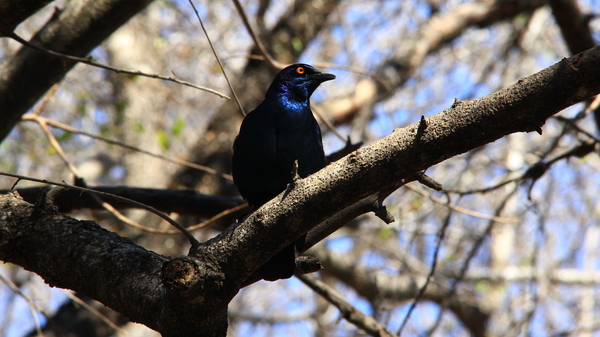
(298, 81)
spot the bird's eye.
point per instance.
(300, 70)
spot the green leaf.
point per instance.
(297, 44)
(385, 233)
(178, 126)
(139, 127)
(64, 136)
(163, 139)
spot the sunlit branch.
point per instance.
(261, 48)
(89, 61)
(365, 322)
(30, 117)
(460, 209)
(218, 59)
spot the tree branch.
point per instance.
(186, 202)
(191, 297)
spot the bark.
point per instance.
(188, 296)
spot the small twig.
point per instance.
(478, 243)
(359, 71)
(89, 308)
(89, 61)
(429, 182)
(460, 209)
(174, 223)
(538, 169)
(29, 301)
(261, 48)
(42, 123)
(46, 98)
(421, 128)
(365, 322)
(327, 123)
(351, 69)
(15, 184)
(218, 59)
(54, 142)
(203, 224)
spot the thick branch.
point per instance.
(523, 106)
(178, 201)
(80, 255)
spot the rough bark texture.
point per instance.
(75, 254)
(188, 296)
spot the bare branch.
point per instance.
(218, 59)
(89, 61)
(350, 313)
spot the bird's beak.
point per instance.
(322, 77)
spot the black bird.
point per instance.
(281, 130)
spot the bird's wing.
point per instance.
(254, 158)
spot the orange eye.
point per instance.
(300, 70)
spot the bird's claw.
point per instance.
(295, 177)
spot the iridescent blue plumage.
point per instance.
(279, 131)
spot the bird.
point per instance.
(278, 132)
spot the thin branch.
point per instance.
(470, 256)
(261, 48)
(327, 123)
(359, 71)
(536, 170)
(460, 209)
(89, 308)
(32, 305)
(203, 224)
(217, 217)
(351, 69)
(34, 118)
(365, 322)
(218, 59)
(38, 111)
(174, 223)
(55, 144)
(89, 61)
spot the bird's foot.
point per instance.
(295, 177)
